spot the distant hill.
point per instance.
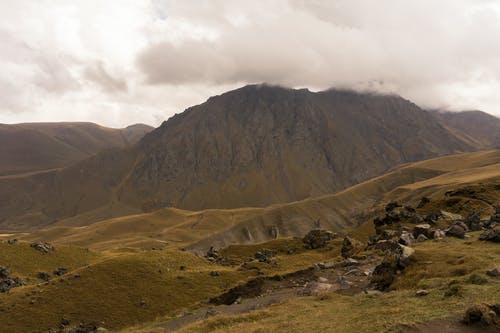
(40, 146)
(254, 146)
(477, 127)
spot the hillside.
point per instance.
(251, 147)
(153, 285)
(42, 146)
(340, 212)
(476, 127)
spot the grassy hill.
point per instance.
(343, 211)
(122, 283)
(42, 146)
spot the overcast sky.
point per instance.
(121, 62)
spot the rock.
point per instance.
(344, 284)
(212, 253)
(406, 238)
(214, 273)
(211, 312)
(422, 238)
(433, 217)
(322, 280)
(424, 201)
(12, 241)
(316, 288)
(43, 276)
(407, 253)
(350, 247)
(4, 272)
(483, 314)
(328, 265)
(317, 238)
(439, 234)
(456, 230)
(9, 283)
(451, 216)
(422, 292)
(391, 206)
(387, 245)
(350, 262)
(182, 268)
(42, 247)
(495, 272)
(473, 222)
(384, 275)
(60, 271)
(422, 229)
(492, 235)
(264, 256)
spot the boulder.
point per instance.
(317, 238)
(456, 230)
(60, 271)
(350, 247)
(9, 283)
(423, 201)
(491, 235)
(212, 253)
(4, 272)
(42, 247)
(12, 241)
(483, 314)
(264, 256)
(406, 238)
(43, 276)
(473, 222)
(422, 238)
(423, 229)
(439, 234)
(495, 272)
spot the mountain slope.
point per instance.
(339, 212)
(476, 127)
(254, 146)
(260, 145)
(41, 146)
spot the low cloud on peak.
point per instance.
(120, 63)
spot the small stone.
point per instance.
(214, 273)
(495, 272)
(422, 238)
(422, 292)
(43, 276)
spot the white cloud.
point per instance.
(119, 62)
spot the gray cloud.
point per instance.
(125, 62)
(422, 49)
(99, 75)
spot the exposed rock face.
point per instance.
(318, 238)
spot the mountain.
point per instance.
(253, 146)
(41, 146)
(476, 127)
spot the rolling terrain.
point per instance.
(152, 284)
(252, 147)
(339, 212)
(42, 146)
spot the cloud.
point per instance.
(99, 75)
(415, 48)
(125, 62)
